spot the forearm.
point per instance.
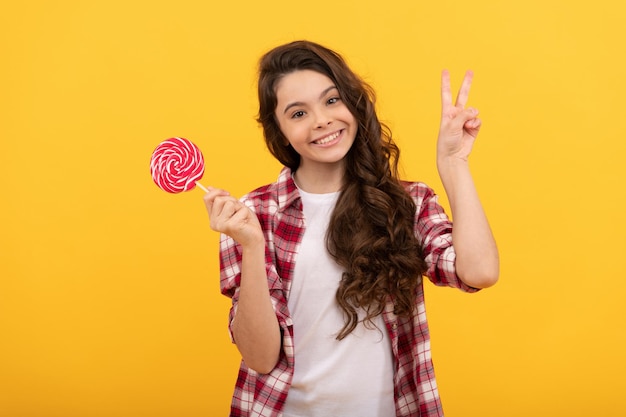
(477, 261)
(255, 326)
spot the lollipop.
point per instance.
(176, 165)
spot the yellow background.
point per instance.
(109, 296)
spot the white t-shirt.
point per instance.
(352, 377)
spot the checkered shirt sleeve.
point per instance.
(263, 395)
(415, 384)
(433, 229)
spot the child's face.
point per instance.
(314, 119)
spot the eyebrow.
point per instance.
(299, 103)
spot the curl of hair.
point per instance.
(371, 231)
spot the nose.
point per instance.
(323, 119)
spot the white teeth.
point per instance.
(327, 139)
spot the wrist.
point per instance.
(253, 245)
(451, 164)
(455, 175)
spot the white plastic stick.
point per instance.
(202, 187)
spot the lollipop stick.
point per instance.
(202, 187)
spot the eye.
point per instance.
(333, 100)
(298, 114)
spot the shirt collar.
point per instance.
(287, 190)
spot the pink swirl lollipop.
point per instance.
(176, 165)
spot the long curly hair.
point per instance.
(370, 234)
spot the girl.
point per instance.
(325, 265)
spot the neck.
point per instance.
(317, 180)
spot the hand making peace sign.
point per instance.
(459, 125)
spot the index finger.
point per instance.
(461, 98)
(446, 93)
(209, 198)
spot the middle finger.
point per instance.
(461, 98)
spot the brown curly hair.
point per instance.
(371, 229)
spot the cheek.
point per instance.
(295, 133)
(283, 133)
(347, 115)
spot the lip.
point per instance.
(339, 134)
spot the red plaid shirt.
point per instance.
(279, 209)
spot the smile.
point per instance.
(328, 138)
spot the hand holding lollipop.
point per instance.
(176, 165)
